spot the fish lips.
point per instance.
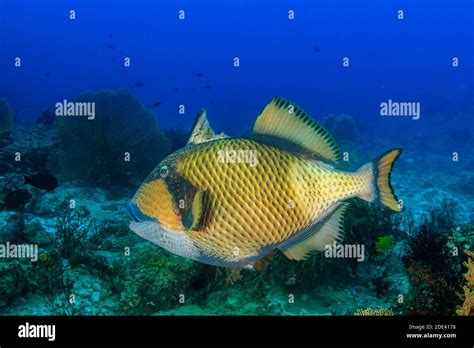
(135, 215)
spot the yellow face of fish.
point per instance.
(230, 201)
(156, 201)
(162, 197)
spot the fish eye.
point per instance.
(164, 171)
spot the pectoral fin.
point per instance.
(196, 215)
(317, 236)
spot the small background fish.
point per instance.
(43, 181)
(15, 200)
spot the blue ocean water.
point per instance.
(409, 59)
(231, 57)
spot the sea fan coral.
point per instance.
(121, 142)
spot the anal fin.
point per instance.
(319, 235)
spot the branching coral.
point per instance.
(433, 266)
(48, 279)
(77, 236)
(467, 307)
(47, 273)
(121, 142)
(232, 276)
(443, 218)
(61, 301)
(370, 312)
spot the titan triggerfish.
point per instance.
(230, 201)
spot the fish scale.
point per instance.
(253, 209)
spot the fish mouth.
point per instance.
(135, 215)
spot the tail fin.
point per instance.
(377, 174)
(26, 179)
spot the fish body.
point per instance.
(42, 181)
(384, 244)
(15, 200)
(231, 201)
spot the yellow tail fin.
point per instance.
(378, 174)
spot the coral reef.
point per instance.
(122, 141)
(232, 276)
(35, 233)
(156, 280)
(366, 223)
(444, 217)
(467, 307)
(73, 236)
(11, 227)
(62, 302)
(13, 281)
(35, 143)
(91, 264)
(370, 312)
(432, 266)
(48, 279)
(47, 273)
(78, 236)
(463, 236)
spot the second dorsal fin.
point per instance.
(202, 131)
(284, 119)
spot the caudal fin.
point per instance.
(377, 174)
